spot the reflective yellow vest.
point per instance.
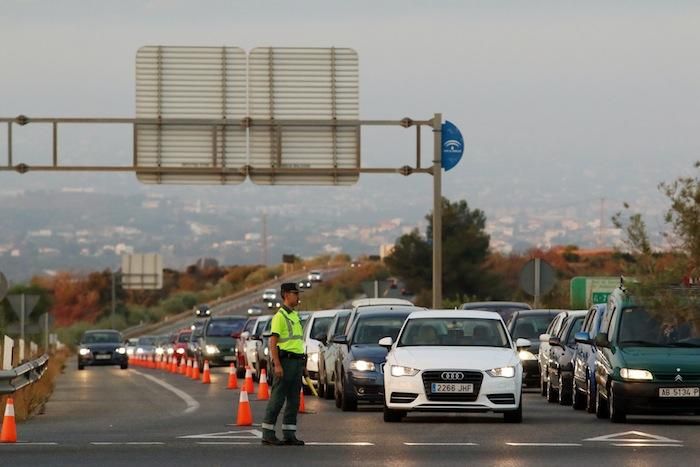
(290, 331)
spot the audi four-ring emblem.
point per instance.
(452, 375)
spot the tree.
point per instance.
(465, 248)
(636, 239)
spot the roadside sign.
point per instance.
(452, 145)
(30, 301)
(537, 278)
(586, 291)
(142, 271)
(288, 83)
(190, 83)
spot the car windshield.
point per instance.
(224, 328)
(369, 329)
(320, 327)
(530, 327)
(184, 337)
(147, 340)
(101, 338)
(467, 332)
(673, 328)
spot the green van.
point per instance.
(648, 361)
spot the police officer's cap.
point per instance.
(289, 287)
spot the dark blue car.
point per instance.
(359, 367)
(584, 395)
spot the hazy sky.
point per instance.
(604, 85)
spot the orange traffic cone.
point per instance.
(248, 384)
(188, 369)
(183, 364)
(245, 417)
(173, 364)
(9, 428)
(206, 376)
(232, 380)
(195, 369)
(302, 405)
(263, 388)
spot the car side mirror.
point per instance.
(341, 340)
(323, 340)
(386, 342)
(243, 335)
(544, 337)
(555, 342)
(583, 337)
(522, 344)
(601, 340)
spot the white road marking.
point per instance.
(440, 444)
(647, 445)
(546, 444)
(240, 434)
(100, 443)
(316, 443)
(640, 437)
(144, 443)
(192, 404)
(223, 443)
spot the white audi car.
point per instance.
(453, 361)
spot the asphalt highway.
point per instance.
(106, 416)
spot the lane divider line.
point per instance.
(440, 444)
(26, 443)
(192, 404)
(316, 443)
(565, 445)
(224, 443)
(646, 445)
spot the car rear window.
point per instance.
(530, 327)
(320, 327)
(184, 337)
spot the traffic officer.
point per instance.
(289, 362)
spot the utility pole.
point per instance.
(264, 239)
(437, 211)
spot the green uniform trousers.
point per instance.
(284, 389)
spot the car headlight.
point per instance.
(84, 352)
(397, 370)
(504, 372)
(211, 349)
(526, 355)
(170, 350)
(266, 351)
(130, 351)
(139, 351)
(180, 351)
(159, 351)
(362, 365)
(121, 350)
(314, 358)
(636, 375)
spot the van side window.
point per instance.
(553, 325)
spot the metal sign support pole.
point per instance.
(437, 211)
(22, 311)
(537, 282)
(114, 298)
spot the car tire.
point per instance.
(590, 399)
(579, 401)
(337, 395)
(81, 367)
(543, 385)
(240, 372)
(616, 414)
(514, 416)
(393, 416)
(601, 405)
(552, 394)
(124, 366)
(321, 389)
(347, 402)
(564, 395)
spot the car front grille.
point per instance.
(502, 398)
(403, 397)
(474, 377)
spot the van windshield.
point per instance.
(652, 328)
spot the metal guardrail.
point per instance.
(24, 375)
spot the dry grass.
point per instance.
(30, 400)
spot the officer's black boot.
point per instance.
(270, 438)
(290, 439)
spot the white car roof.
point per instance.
(324, 313)
(454, 314)
(380, 301)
